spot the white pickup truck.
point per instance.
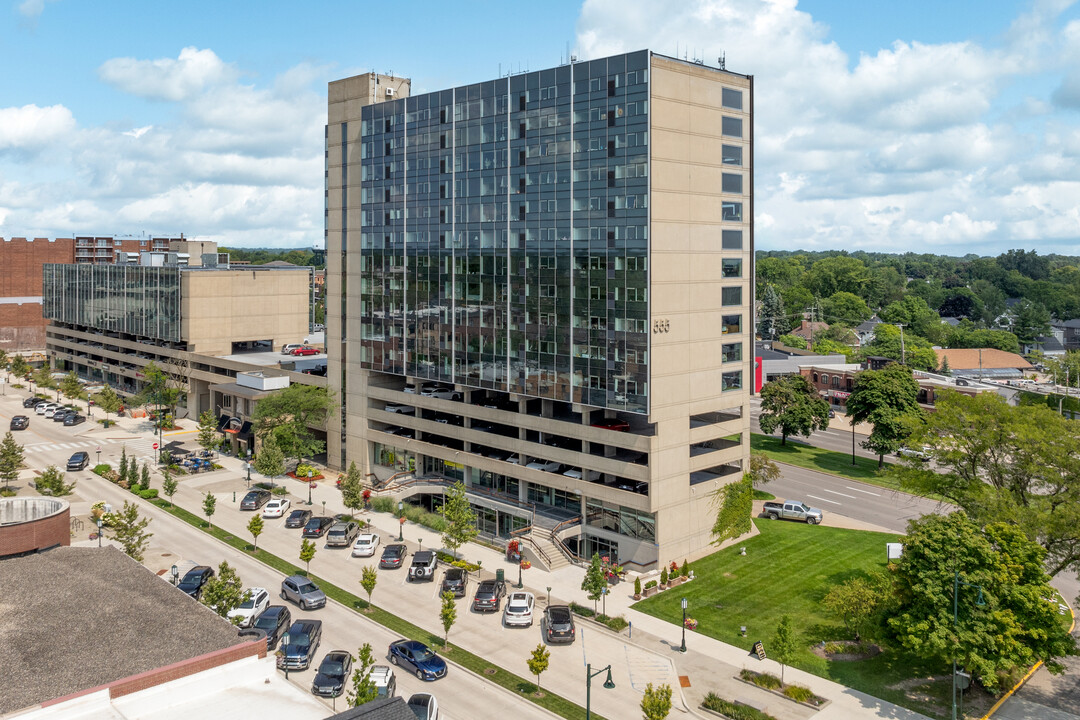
(792, 510)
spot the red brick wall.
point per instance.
(21, 326)
(36, 534)
(162, 675)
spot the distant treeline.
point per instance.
(261, 256)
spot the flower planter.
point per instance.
(649, 592)
(822, 702)
(305, 478)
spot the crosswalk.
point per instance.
(140, 448)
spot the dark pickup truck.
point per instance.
(792, 510)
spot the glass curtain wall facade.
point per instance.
(132, 299)
(504, 240)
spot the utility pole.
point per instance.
(980, 364)
(903, 349)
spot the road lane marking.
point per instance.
(834, 492)
(863, 491)
(824, 500)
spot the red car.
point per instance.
(305, 351)
(612, 424)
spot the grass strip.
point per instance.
(821, 460)
(519, 685)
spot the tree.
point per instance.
(208, 433)
(999, 463)
(352, 489)
(846, 309)
(369, 576)
(145, 476)
(656, 702)
(43, 377)
(448, 615)
(1029, 321)
(838, 273)
(916, 316)
(122, 469)
(538, 662)
(51, 482)
(168, 484)
(289, 415)
(255, 527)
(773, 322)
(945, 369)
(11, 459)
(792, 405)
(1014, 626)
(224, 592)
(460, 518)
(734, 503)
(363, 687)
(794, 341)
(307, 552)
(209, 505)
(888, 399)
(70, 387)
(20, 367)
(109, 402)
(784, 645)
(270, 462)
(762, 469)
(129, 529)
(159, 389)
(595, 581)
(910, 349)
(857, 600)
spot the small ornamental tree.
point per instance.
(208, 436)
(70, 387)
(762, 469)
(255, 527)
(109, 402)
(363, 687)
(11, 458)
(784, 644)
(270, 462)
(369, 576)
(145, 476)
(307, 552)
(129, 530)
(538, 662)
(460, 518)
(656, 702)
(352, 491)
(169, 484)
(595, 581)
(209, 505)
(51, 482)
(20, 367)
(122, 470)
(448, 615)
(224, 592)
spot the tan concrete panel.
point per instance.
(669, 145)
(669, 206)
(668, 83)
(667, 175)
(670, 115)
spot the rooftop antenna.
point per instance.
(722, 60)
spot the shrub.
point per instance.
(148, 493)
(765, 680)
(637, 586)
(384, 504)
(101, 469)
(303, 468)
(618, 624)
(7, 491)
(685, 572)
(718, 704)
(581, 610)
(833, 648)
(798, 693)
(279, 490)
(650, 585)
(663, 576)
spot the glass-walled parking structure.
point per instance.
(504, 239)
(136, 300)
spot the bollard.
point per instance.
(630, 625)
(234, 496)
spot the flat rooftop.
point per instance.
(73, 618)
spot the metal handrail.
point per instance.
(557, 541)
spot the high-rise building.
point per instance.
(541, 285)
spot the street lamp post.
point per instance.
(979, 602)
(682, 648)
(98, 454)
(309, 487)
(99, 524)
(401, 519)
(421, 542)
(175, 574)
(589, 675)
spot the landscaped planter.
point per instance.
(816, 703)
(305, 478)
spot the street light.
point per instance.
(401, 520)
(309, 487)
(979, 602)
(682, 648)
(247, 466)
(99, 523)
(589, 675)
(98, 454)
(175, 574)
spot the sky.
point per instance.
(946, 127)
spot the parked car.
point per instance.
(418, 659)
(31, 402)
(365, 545)
(78, 461)
(922, 453)
(20, 422)
(255, 499)
(303, 592)
(299, 644)
(73, 419)
(305, 350)
(288, 349)
(441, 392)
(393, 556)
(333, 672)
(194, 579)
(298, 519)
(401, 409)
(273, 621)
(424, 564)
(455, 580)
(424, 706)
(519, 609)
(276, 508)
(255, 601)
(612, 424)
(342, 534)
(317, 526)
(489, 595)
(545, 465)
(792, 510)
(59, 414)
(558, 624)
(49, 410)
(385, 681)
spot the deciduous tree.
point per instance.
(369, 576)
(307, 552)
(208, 436)
(792, 406)
(224, 592)
(595, 581)
(129, 529)
(656, 702)
(255, 527)
(888, 399)
(448, 615)
(209, 505)
(857, 600)
(784, 644)
(70, 387)
(762, 469)
(168, 484)
(11, 458)
(538, 662)
(363, 687)
(288, 415)
(460, 518)
(109, 402)
(270, 462)
(352, 489)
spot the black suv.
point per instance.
(78, 461)
(455, 580)
(273, 620)
(255, 499)
(73, 419)
(558, 624)
(193, 581)
(32, 402)
(393, 556)
(489, 595)
(20, 422)
(333, 671)
(317, 527)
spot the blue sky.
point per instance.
(950, 127)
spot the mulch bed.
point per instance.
(859, 651)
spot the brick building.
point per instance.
(835, 382)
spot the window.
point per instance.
(731, 267)
(731, 381)
(731, 296)
(731, 352)
(731, 98)
(732, 127)
(732, 211)
(731, 155)
(731, 183)
(836, 381)
(731, 240)
(824, 379)
(731, 323)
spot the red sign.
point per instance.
(155, 446)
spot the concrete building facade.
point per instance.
(541, 285)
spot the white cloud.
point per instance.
(32, 9)
(31, 127)
(167, 79)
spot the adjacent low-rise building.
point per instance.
(834, 382)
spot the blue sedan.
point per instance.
(417, 657)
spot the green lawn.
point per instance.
(787, 569)
(814, 458)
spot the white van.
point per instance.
(288, 349)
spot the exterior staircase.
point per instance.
(553, 556)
